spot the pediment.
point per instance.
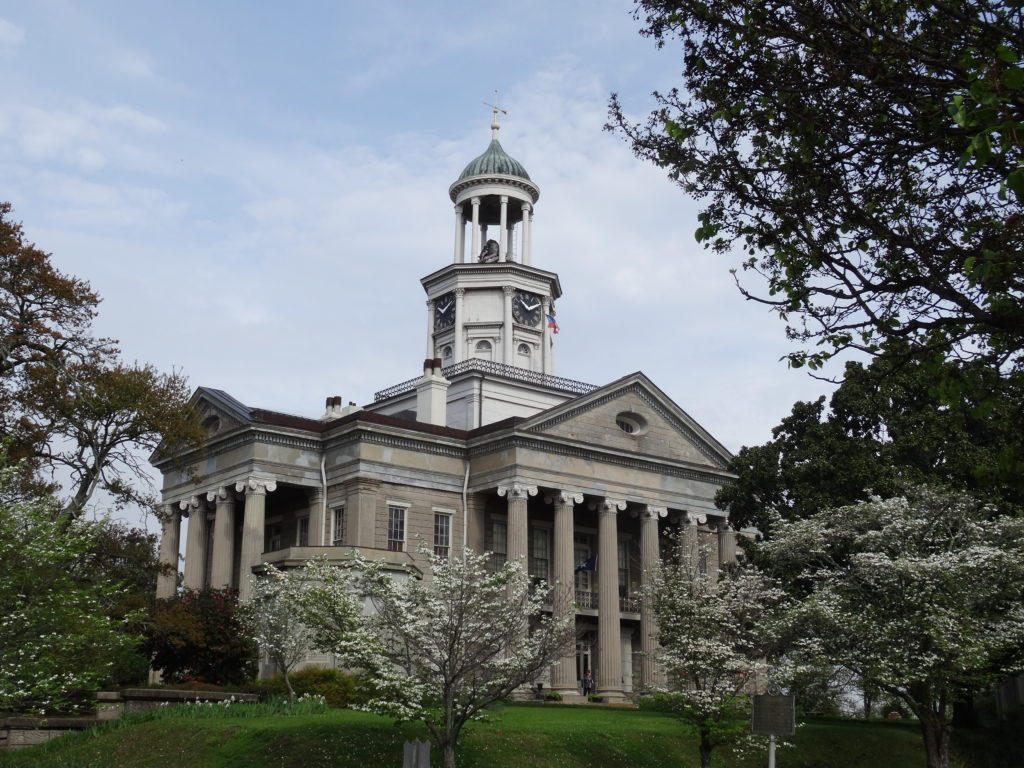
(218, 412)
(634, 415)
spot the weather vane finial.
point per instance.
(495, 109)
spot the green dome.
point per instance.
(493, 161)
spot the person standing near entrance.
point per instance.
(588, 683)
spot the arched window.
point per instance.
(524, 349)
(483, 349)
(446, 353)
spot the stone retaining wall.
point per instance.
(20, 732)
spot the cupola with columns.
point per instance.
(491, 303)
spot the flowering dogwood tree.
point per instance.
(714, 639)
(57, 637)
(441, 649)
(920, 595)
(274, 617)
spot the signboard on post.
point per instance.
(773, 715)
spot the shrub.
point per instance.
(552, 696)
(196, 637)
(338, 688)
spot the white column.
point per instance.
(527, 235)
(503, 230)
(195, 543)
(609, 637)
(460, 235)
(170, 543)
(726, 544)
(457, 347)
(547, 350)
(256, 490)
(563, 674)
(223, 537)
(518, 528)
(692, 553)
(506, 328)
(430, 329)
(649, 560)
(476, 230)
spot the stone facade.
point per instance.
(478, 452)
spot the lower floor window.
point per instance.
(302, 532)
(338, 527)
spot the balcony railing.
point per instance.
(498, 369)
(589, 601)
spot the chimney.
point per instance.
(432, 394)
(332, 408)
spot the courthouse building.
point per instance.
(487, 449)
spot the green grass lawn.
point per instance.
(520, 736)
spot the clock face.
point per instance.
(526, 308)
(444, 311)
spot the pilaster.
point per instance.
(458, 347)
(317, 516)
(506, 327)
(361, 511)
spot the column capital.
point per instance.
(508, 290)
(218, 495)
(517, 490)
(189, 505)
(526, 207)
(430, 303)
(460, 292)
(564, 497)
(475, 201)
(256, 486)
(503, 198)
(609, 506)
(695, 518)
(649, 512)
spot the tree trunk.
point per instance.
(291, 691)
(448, 750)
(705, 749)
(936, 739)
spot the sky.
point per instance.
(255, 189)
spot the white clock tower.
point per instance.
(491, 303)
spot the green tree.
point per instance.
(58, 634)
(919, 595)
(886, 425)
(867, 158)
(198, 636)
(69, 409)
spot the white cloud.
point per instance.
(12, 37)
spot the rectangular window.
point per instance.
(302, 532)
(338, 527)
(442, 534)
(581, 553)
(396, 529)
(499, 544)
(273, 538)
(540, 563)
(623, 569)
